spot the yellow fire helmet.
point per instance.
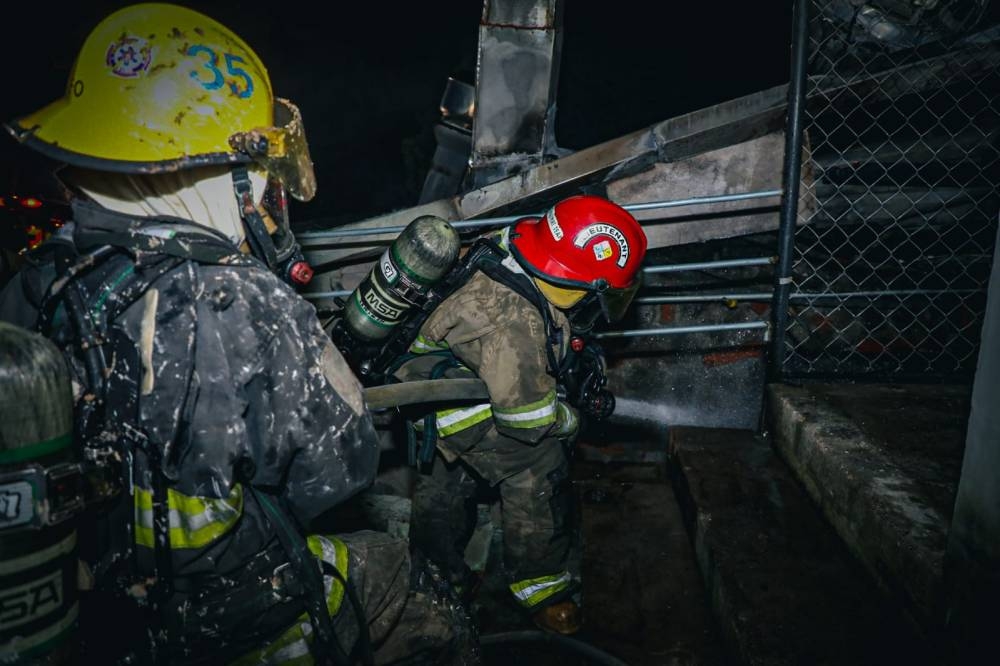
(158, 87)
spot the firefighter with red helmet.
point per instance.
(510, 324)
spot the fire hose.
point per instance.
(428, 390)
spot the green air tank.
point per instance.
(38, 551)
(422, 254)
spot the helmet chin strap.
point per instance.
(261, 244)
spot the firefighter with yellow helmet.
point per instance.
(200, 376)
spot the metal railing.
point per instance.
(683, 330)
(660, 268)
(313, 238)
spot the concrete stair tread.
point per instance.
(883, 462)
(783, 587)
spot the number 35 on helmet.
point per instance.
(160, 88)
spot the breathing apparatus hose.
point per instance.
(572, 644)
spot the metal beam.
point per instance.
(722, 125)
(517, 73)
(691, 134)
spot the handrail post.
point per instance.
(791, 178)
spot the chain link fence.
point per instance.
(899, 200)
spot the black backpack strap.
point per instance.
(521, 284)
(260, 241)
(197, 247)
(485, 255)
(326, 649)
(94, 288)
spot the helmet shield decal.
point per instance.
(603, 251)
(282, 150)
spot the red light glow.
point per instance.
(31, 202)
(35, 236)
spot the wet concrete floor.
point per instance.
(643, 598)
(642, 595)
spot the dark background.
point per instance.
(368, 76)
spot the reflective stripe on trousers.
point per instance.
(533, 591)
(291, 648)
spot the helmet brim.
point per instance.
(55, 152)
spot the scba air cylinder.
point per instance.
(422, 254)
(38, 552)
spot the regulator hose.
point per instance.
(572, 644)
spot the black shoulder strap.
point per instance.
(485, 255)
(200, 248)
(94, 288)
(521, 284)
(325, 648)
(260, 241)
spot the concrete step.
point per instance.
(643, 599)
(883, 462)
(782, 586)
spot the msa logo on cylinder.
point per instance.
(30, 601)
(380, 307)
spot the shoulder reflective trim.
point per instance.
(36, 558)
(511, 264)
(36, 450)
(534, 414)
(333, 551)
(533, 591)
(450, 421)
(195, 522)
(422, 345)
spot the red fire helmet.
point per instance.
(584, 242)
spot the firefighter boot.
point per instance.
(559, 618)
